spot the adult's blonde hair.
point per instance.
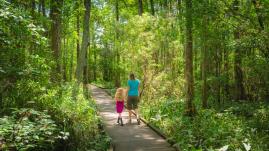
(120, 94)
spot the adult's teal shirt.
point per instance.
(133, 85)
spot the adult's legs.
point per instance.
(137, 113)
(136, 109)
(137, 116)
(130, 115)
(129, 107)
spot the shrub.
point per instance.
(77, 115)
(28, 129)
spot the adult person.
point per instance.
(133, 97)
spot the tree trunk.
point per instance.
(94, 56)
(84, 44)
(205, 62)
(39, 7)
(33, 7)
(261, 21)
(217, 74)
(140, 7)
(65, 58)
(152, 7)
(179, 6)
(43, 7)
(78, 35)
(71, 66)
(256, 4)
(117, 78)
(226, 71)
(165, 4)
(189, 60)
(85, 69)
(56, 7)
(238, 73)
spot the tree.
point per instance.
(238, 73)
(152, 7)
(33, 7)
(117, 75)
(43, 7)
(85, 41)
(256, 4)
(78, 28)
(56, 7)
(189, 59)
(204, 62)
(140, 7)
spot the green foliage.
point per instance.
(78, 116)
(25, 74)
(72, 112)
(210, 129)
(20, 37)
(153, 48)
(28, 129)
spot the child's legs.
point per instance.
(119, 115)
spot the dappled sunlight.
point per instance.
(196, 70)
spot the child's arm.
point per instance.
(115, 98)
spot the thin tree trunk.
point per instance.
(64, 59)
(189, 60)
(238, 73)
(78, 35)
(152, 7)
(117, 78)
(39, 7)
(140, 7)
(71, 66)
(85, 69)
(205, 62)
(226, 71)
(33, 7)
(56, 33)
(43, 7)
(165, 4)
(256, 4)
(84, 44)
(218, 63)
(179, 6)
(94, 57)
(261, 20)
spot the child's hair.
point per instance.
(119, 95)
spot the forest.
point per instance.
(203, 67)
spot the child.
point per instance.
(119, 98)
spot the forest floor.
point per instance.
(130, 137)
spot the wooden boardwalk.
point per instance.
(130, 137)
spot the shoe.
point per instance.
(138, 121)
(118, 122)
(121, 122)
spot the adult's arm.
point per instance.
(139, 89)
(127, 90)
